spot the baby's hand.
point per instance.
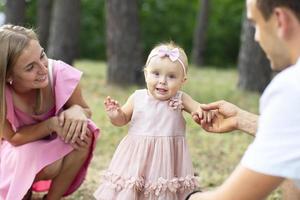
(208, 116)
(197, 115)
(112, 107)
(203, 117)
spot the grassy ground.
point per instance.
(214, 156)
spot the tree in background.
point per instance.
(64, 30)
(168, 20)
(163, 21)
(15, 12)
(254, 67)
(92, 27)
(200, 34)
(43, 24)
(124, 51)
(223, 34)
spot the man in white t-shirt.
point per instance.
(274, 155)
(2, 18)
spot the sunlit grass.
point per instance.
(214, 156)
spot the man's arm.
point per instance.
(243, 184)
(247, 122)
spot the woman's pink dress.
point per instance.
(152, 162)
(20, 164)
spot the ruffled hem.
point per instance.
(148, 188)
(146, 167)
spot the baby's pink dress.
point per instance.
(153, 160)
(20, 164)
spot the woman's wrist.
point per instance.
(86, 111)
(51, 124)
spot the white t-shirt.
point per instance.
(276, 148)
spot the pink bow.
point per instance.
(173, 54)
(163, 51)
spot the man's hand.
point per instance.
(224, 118)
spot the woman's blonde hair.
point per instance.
(13, 39)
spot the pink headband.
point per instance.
(163, 51)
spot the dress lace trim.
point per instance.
(156, 188)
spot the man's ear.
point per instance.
(145, 73)
(284, 21)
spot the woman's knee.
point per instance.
(84, 146)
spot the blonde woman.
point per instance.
(46, 130)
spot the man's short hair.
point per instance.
(267, 6)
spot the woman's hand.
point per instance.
(74, 123)
(54, 126)
(85, 142)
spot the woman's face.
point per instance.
(30, 71)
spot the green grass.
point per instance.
(214, 156)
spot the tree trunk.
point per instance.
(43, 21)
(64, 30)
(124, 52)
(254, 67)
(200, 34)
(15, 12)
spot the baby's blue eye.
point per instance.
(172, 76)
(155, 73)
